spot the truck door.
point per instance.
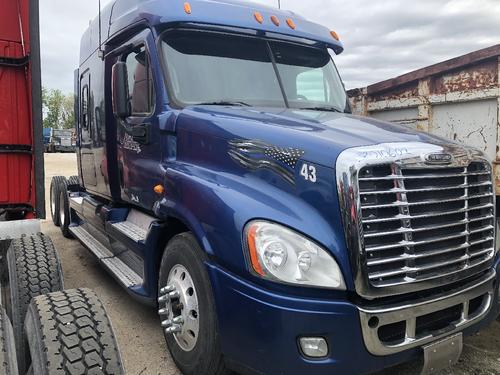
(139, 156)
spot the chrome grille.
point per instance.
(424, 223)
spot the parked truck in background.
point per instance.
(47, 132)
(223, 180)
(40, 323)
(60, 140)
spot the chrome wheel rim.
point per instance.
(179, 308)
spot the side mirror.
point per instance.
(120, 91)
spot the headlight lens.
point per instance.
(280, 254)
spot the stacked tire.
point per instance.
(69, 332)
(45, 330)
(34, 268)
(8, 360)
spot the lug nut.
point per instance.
(164, 298)
(166, 323)
(167, 289)
(173, 329)
(174, 294)
(163, 312)
(178, 320)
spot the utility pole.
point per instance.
(279, 4)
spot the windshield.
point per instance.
(212, 68)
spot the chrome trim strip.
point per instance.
(441, 213)
(411, 311)
(397, 177)
(421, 203)
(402, 230)
(398, 190)
(400, 155)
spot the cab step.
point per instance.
(131, 230)
(136, 226)
(123, 273)
(98, 249)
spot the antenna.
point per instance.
(100, 52)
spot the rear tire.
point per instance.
(57, 183)
(64, 214)
(70, 333)
(73, 183)
(34, 268)
(8, 360)
(201, 355)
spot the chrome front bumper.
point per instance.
(408, 317)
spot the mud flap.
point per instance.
(442, 354)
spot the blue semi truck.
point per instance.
(223, 180)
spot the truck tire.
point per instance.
(34, 268)
(70, 333)
(64, 214)
(57, 183)
(73, 184)
(8, 360)
(195, 347)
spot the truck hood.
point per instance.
(322, 136)
(255, 160)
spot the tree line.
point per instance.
(58, 109)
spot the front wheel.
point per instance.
(187, 309)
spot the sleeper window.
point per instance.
(85, 107)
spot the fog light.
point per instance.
(314, 347)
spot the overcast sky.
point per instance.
(382, 39)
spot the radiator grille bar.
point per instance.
(422, 223)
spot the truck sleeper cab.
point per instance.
(224, 181)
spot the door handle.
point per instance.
(140, 133)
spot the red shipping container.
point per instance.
(20, 124)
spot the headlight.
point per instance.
(280, 254)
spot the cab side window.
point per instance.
(140, 82)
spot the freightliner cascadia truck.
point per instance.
(223, 180)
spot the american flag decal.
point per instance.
(256, 155)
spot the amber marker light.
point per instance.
(335, 36)
(258, 17)
(254, 258)
(291, 24)
(187, 8)
(159, 189)
(275, 20)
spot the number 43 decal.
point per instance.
(308, 172)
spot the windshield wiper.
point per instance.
(227, 102)
(327, 109)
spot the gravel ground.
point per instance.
(137, 327)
